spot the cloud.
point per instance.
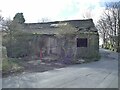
(34, 10)
(77, 9)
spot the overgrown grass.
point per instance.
(9, 66)
(111, 47)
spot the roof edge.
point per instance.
(91, 20)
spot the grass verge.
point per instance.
(9, 66)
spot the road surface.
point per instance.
(99, 74)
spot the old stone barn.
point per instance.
(67, 40)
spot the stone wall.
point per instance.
(0, 51)
(92, 50)
(66, 47)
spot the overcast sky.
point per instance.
(34, 10)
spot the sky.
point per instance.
(54, 10)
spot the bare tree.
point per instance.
(108, 25)
(102, 30)
(87, 14)
(1, 20)
(45, 19)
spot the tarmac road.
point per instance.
(99, 74)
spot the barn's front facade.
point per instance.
(72, 39)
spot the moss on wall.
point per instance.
(4, 52)
(92, 50)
